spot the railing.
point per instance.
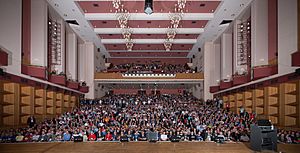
(183, 76)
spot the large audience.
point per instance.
(132, 116)
(152, 67)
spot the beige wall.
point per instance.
(10, 32)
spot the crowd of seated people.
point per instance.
(132, 116)
(151, 68)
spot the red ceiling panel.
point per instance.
(148, 24)
(148, 54)
(158, 6)
(148, 47)
(148, 36)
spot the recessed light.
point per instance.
(212, 10)
(202, 5)
(96, 5)
(85, 11)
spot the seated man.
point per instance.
(142, 137)
(66, 136)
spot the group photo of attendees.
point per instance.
(151, 68)
(132, 116)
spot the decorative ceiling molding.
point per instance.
(148, 41)
(154, 16)
(148, 30)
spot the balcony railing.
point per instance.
(120, 76)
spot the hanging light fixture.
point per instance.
(148, 9)
(175, 18)
(122, 16)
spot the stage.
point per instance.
(136, 147)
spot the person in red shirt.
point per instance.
(108, 136)
(92, 137)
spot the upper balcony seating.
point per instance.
(150, 68)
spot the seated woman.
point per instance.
(108, 136)
(92, 136)
(163, 137)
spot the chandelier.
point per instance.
(175, 18)
(122, 16)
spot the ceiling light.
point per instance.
(148, 9)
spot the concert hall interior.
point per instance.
(149, 76)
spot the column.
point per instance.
(287, 34)
(226, 56)
(71, 62)
(259, 32)
(39, 31)
(208, 72)
(216, 77)
(86, 70)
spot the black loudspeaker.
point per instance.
(124, 138)
(103, 56)
(78, 138)
(199, 49)
(98, 49)
(263, 136)
(194, 56)
(297, 71)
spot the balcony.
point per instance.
(34, 71)
(3, 58)
(84, 89)
(73, 85)
(264, 71)
(225, 85)
(149, 77)
(58, 79)
(296, 58)
(240, 79)
(213, 89)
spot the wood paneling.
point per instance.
(19, 101)
(279, 103)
